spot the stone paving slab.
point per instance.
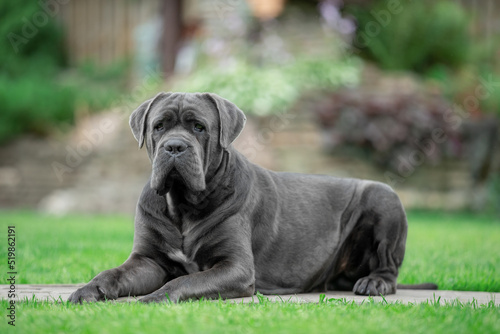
(58, 292)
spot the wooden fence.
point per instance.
(102, 30)
(486, 14)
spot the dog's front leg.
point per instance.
(138, 275)
(224, 280)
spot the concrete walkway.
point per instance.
(55, 292)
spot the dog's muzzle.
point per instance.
(175, 147)
(177, 161)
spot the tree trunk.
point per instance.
(171, 11)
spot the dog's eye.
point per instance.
(159, 127)
(198, 127)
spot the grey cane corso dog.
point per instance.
(211, 224)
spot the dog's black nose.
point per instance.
(175, 147)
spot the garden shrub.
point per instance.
(34, 94)
(29, 94)
(416, 36)
(391, 127)
(270, 89)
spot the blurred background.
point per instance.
(404, 92)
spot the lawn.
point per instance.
(456, 251)
(219, 317)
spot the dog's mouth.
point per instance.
(168, 171)
(174, 174)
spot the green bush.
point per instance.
(26, 46)
(264, 90)
(416, 36)
(491, 103)
(32, 104)
(34, 94)
(29, 95)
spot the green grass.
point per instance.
(70, 249)
(219, 317)
(457, 251)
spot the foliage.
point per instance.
(33, 94)
(32, 104)
(268, 89)
(494, 194)
(491, 104)
(390, 123)
(416, 36)
(28, 94)
(26, 46)
(485, 81)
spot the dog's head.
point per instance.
(185, 134)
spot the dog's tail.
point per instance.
(422, 286)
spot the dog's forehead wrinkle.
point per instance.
(162, 114)
(197, 103)
(181, 102)
(169, 104)
(189, 113)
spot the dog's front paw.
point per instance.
(88, 293)
(157, 297)
(374, 286)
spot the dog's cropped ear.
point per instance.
(231, 119)
(138, 118)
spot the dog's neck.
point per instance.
(220, 185)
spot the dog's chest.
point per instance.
(186, 253)
(179, 256)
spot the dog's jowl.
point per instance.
(211, 224)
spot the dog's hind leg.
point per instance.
(389, 241)
(370, 258)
